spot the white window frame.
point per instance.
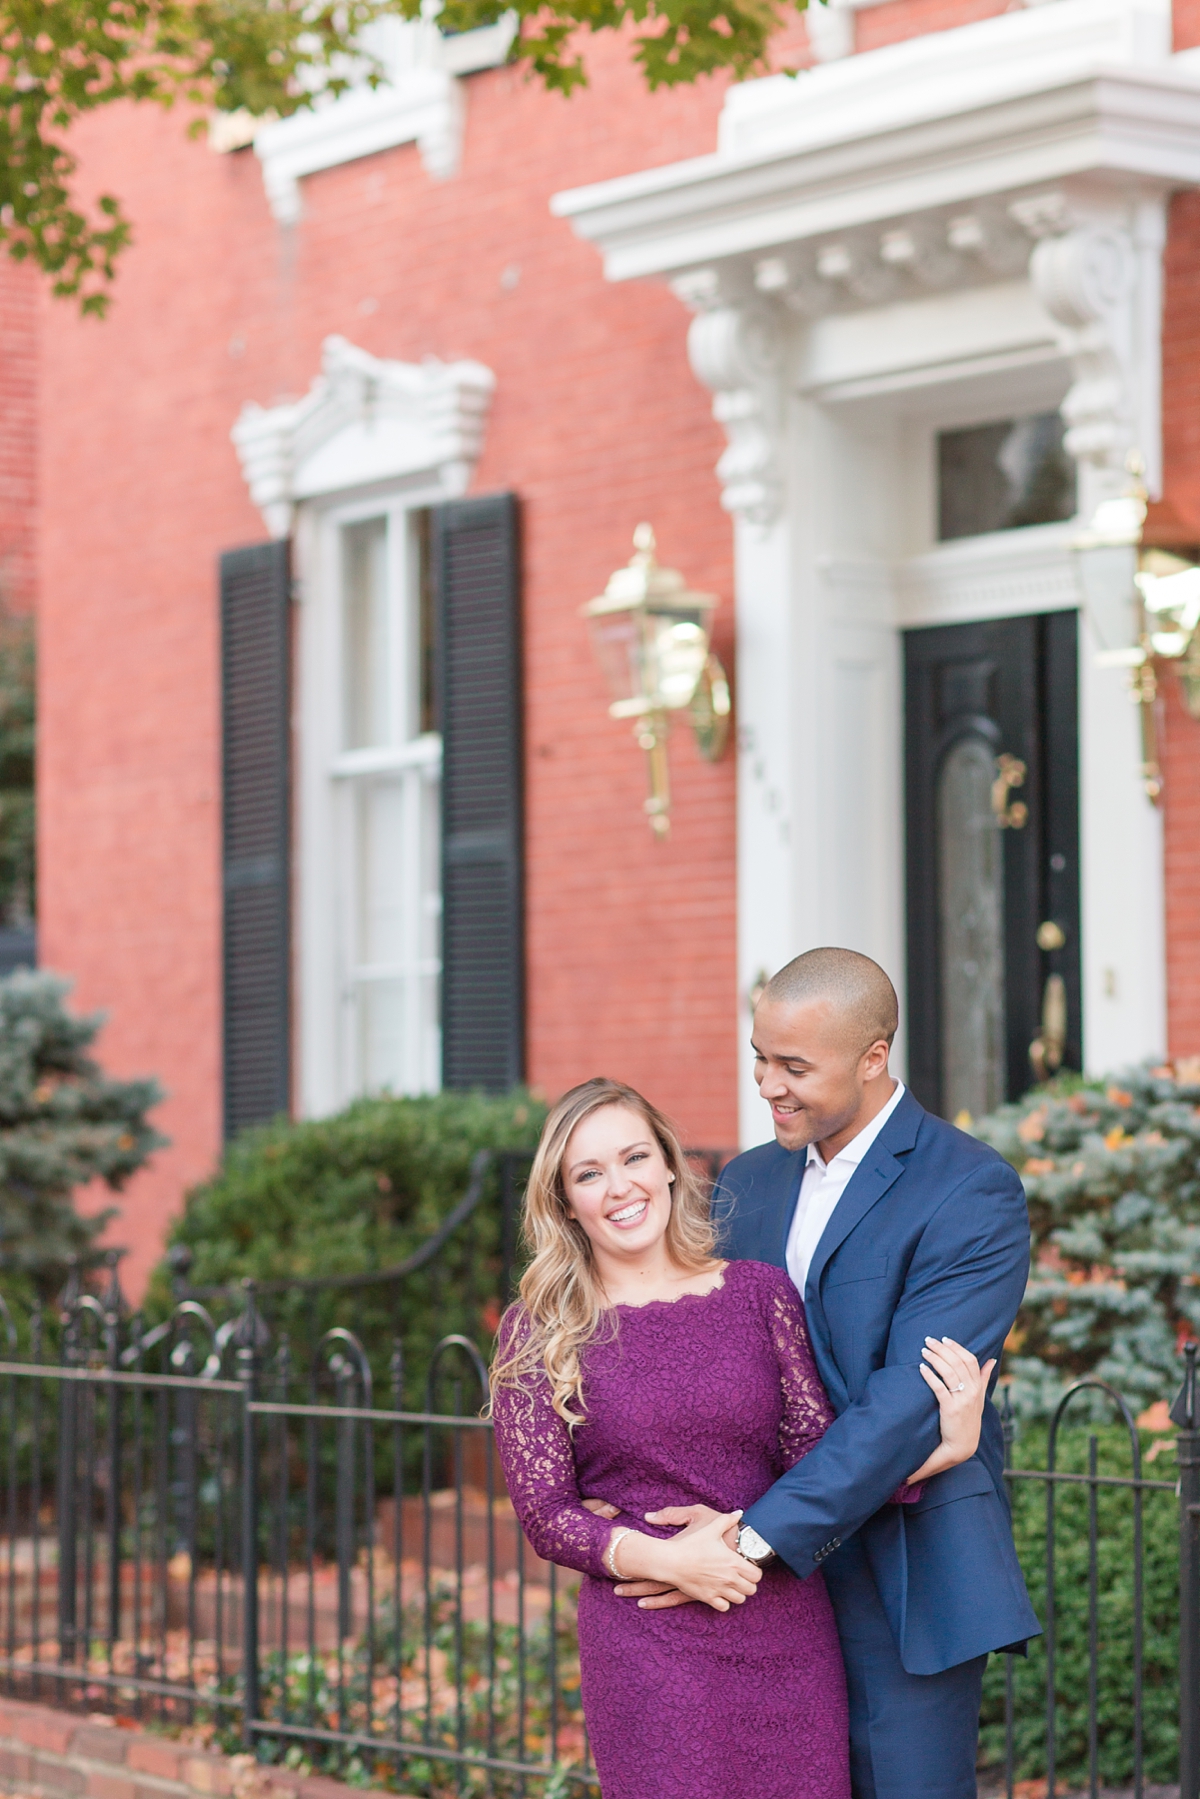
(329, 980)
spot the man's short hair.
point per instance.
(856, 988)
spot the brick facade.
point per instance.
(19, 295)
(597, 423)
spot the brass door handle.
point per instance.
(1046, 1050)
(1011, 815)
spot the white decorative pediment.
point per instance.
(364, 421)
(421, 101)
(1037, 147)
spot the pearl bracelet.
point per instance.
(610, 1554)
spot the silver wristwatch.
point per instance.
(753, 1547)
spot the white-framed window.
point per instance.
(350, 473)
(371, 760)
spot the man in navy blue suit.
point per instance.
(897, 1229)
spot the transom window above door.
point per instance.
(1002, 476)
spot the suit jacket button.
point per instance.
(836, 1543)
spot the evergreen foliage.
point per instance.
(352, 1194)
(63, 1123)
(1115, 1618)
(1112, 1173)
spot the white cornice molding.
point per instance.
(364, 421)
(942, 163)
(421, 102)
(1081, 89)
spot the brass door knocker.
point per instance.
(1011, 815)
(1047, 1049)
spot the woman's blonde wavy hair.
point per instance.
(560, 1292)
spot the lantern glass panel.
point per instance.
(619, 648)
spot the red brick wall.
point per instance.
(597, 423)
(1180, 747)
(1181, 734)
(18, 435)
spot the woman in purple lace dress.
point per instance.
(639, 1368)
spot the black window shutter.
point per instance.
(477, 593)
(255, 757)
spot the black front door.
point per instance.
(992, 803)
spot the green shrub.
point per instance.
(352, 1193)
(1115, 1611)
(1112, 1173)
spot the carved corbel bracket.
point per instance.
(736, 349)
(1101, 290)
(1084, 279)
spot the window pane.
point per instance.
(998, 477)
(397, 931)
(366, 637)
(381, 883)
(971, 915)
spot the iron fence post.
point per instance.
(247, 1356)
(1187, 1443)
(112, 1332)
(67, 1473)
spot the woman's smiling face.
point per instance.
(617, 1183)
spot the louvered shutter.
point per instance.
(477, 593)
(255, 755)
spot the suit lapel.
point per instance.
(878, 1171)
(782, 1222)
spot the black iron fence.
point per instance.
(249, 1538)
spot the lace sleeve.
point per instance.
(535, 1452)
(807, 1413)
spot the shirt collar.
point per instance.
(858, 1146)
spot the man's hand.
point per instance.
(652, 1595)
(664, 1597)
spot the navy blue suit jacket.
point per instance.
(929, 1238)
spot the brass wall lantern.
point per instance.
(650, 635)
(1166, 602)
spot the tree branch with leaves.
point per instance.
(61, 60)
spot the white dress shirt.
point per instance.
(821, 1186)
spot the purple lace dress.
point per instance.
(707, 1398)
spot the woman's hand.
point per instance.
(698, 1563)
(960, 1387)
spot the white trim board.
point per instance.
(421, 101)
(365, 421)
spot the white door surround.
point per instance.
(956, 229)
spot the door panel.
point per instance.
(992, 852)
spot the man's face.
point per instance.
(809, 1071)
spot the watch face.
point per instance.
(751, 1545)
